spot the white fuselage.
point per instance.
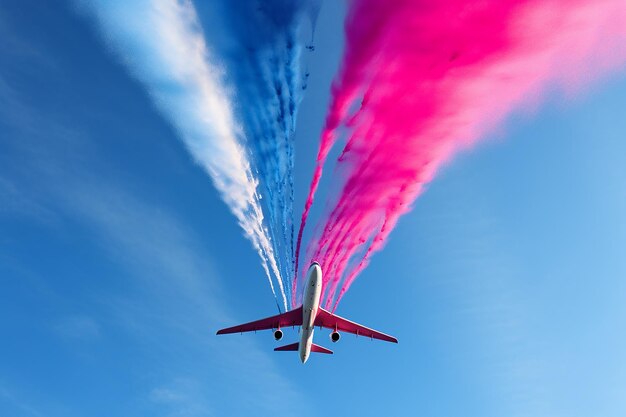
(310, 304)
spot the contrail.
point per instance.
(421, 80)
(163, 45)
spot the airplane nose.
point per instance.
(304, 358)
(315, 273)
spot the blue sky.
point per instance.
(119, 260)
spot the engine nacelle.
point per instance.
(334, 337)
(278, 334)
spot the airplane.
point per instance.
(309, 315)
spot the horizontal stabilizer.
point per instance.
(320, 349)
(295, 346)
(288, 348)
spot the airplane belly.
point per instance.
(305, 344)
(310, 306)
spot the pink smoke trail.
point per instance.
(421, 79)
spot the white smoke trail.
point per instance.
(163, 45)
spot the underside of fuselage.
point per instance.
(310, 306)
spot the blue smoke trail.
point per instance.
(264, 66)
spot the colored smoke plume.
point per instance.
(423, 79)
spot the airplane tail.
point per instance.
(294, 347)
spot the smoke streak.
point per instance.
(420, 80)
(264, 64)
(163, 45)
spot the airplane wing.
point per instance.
(290, 318)
(332, 321)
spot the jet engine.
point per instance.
(335, 336)
(278, 334)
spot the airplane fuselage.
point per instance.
(310, 306)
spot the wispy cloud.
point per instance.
(24, 408)
(180, 295)
(481, 281)
(77, 327)
(169, 307)
(171, 298)
(183, 397)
